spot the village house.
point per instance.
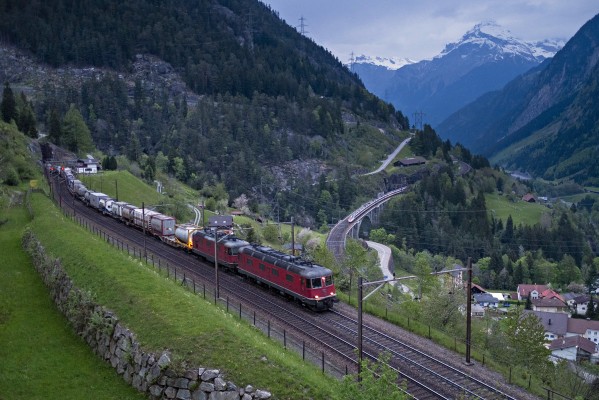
(535, 291)
(583, 327)
(551, 304)
(407, 162)
(569, 299)
(573, 348)
(87, 165)
(529, 198)
(581, 304)
(555, 324)
(485, 300)
(477, 311)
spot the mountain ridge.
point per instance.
(543, 121)
(484, 59)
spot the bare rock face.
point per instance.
(304, 170)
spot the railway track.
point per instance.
(333, 332)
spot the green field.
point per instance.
(130, 189)
(166, 316)
(522, 212)
(40, 355)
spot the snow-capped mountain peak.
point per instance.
(490, 38)
(391, 63)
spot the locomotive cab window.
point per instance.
(308, 283)
(328, 280)
(275, 272)
(262, 267)
(316, 283)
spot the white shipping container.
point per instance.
(139, 214)
(162, 225)
(117, 208)
(95, 198)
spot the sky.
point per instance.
(420, 29)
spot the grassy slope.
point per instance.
(130, 188)
(41, 357)
(522, 213)
(164, 315)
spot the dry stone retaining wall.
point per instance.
(113, 342)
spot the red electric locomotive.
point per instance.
(227, 247)
(309, 283)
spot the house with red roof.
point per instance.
(535, 291)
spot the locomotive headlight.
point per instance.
(332, 293)
(317, 297)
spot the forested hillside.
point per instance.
(545, 121)
(224, 91)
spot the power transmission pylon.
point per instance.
(418, 119)
(302, 26)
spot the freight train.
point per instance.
(295, 277)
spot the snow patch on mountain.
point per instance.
(391, 63)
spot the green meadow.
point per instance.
(40, 355)
(501, 207)
(164, 315)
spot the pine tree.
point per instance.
(528, 305)
(8, 108)
(54, 129)
(77, 136)
(27, 122)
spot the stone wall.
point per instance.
(114, 343)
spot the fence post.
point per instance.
(285, 339)
(269, 329)
(303, 350)
(240, 310)
(323, 362)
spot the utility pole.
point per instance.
(143, 224)
(469, 311)
(292, 237)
